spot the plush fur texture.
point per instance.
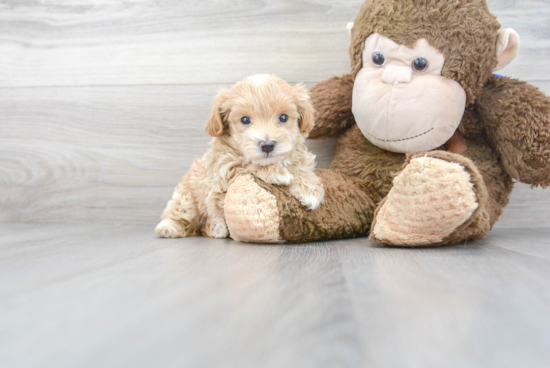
(277, 114)
(506, 128)
(240, 201)
(346, 212)
(336, 92)
(439, 198)
(515, 117)
(408, 216)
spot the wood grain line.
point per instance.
(194, 42)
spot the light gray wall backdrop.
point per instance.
(102, 103)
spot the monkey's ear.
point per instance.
(306, 121)
(349, 28)
(507, 47)
(215, 124)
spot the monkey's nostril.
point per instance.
(267, 146)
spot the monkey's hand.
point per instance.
(516, 116)
(332, 102)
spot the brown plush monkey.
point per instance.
(430, 139)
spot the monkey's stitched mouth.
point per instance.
(402, 139)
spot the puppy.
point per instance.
(259, 126)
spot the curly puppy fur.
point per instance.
(259, 126)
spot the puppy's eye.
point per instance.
(245, 120)
(420, 64)
(378, 59)
(283, 118)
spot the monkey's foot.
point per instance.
(251, 212)
(432, 201)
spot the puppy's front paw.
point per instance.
(313, 201)
(167, 229)
(310, 197)
(281, 178)
(217, 229)
(275, 175)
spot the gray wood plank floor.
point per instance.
(113, 296)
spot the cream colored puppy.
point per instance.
(259, 126)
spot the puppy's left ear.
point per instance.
(306, 121)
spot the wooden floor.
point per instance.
(116, 296)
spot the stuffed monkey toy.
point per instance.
(430, 140)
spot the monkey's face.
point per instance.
(401, 102)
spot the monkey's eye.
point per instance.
(378, 59)
(420, 64)
(245, 120)
(283, 118)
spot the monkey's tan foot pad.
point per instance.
(251, 212)
(429, 200)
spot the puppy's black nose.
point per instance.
(267, 146)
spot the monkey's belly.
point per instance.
(357, 157)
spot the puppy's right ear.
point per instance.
(215, 125)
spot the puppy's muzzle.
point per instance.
(267, 147)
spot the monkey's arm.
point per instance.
(516, 116)
(332, 102)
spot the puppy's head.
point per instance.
(263, 116)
